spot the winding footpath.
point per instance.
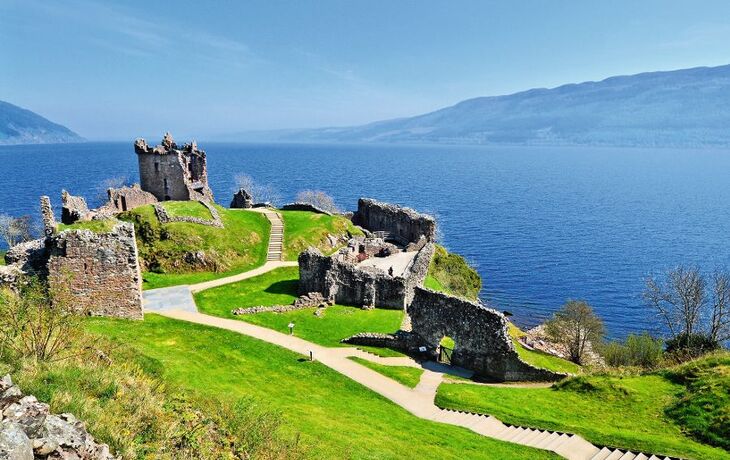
(177, 303)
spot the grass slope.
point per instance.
(238, 247)
(408, 376)
(624, 412)
(303, 229)
(336, 416)
(539, 358)
(187, 208)
(450, 273)
(280, 287)
(96, 226)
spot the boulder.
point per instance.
(14, 443)
(242, 200)
(28, 413)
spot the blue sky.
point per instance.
(116, 70)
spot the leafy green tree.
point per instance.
(575, 326)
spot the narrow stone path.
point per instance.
(420, 400)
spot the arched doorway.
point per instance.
(446, 349)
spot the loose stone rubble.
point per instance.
(164, 217)
(309, 300)
(29, 431)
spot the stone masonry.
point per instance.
(173, 172)
(100, 270)
(74, 208)
(49, 220)
(401, 224)
(346, 283)
(126, 198)
(482, 342)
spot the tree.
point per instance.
(259, 193)
(16, 230)
(575, 326)
(690, 306)
(318, 199)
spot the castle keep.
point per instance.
(172, 172)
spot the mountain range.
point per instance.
(21, 126)
(689, 107)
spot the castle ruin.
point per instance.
(172, 172)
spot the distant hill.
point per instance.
(21, 126)
(688, 107)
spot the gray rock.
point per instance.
(28, 413)
(14, 443)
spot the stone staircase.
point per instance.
(276, 238)
(570, 446)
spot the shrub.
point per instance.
(638, 350)
(690, 346)
(454, 275)
(318, 199)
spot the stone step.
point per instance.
(628, 456)
(557, 442)
(525, 434)
(615, 455)
(530, 440)
(576, 447)
(547, 440)
(641, 456)
(516, 431)
(602, 454)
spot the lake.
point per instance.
(541, 225)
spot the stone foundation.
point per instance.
(165, 218)
(126, 199)
(73, 209)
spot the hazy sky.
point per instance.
(116, 70)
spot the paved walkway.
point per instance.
(399, 261)
(420, 400)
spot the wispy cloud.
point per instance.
(698, 36)
(120, 30)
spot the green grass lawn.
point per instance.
(238, 247)
(279, 287)
(408, 376)
(187, 208)
(96, 226)
(433, 284)
(303, 229)
(539, 358)
(451, 274)
(624, 412)
(337, 417)
(2, 257)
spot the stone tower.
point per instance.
(172, 172)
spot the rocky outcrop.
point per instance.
(242, 200)
(397, 223)
(29, 431)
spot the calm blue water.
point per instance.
(542, 225)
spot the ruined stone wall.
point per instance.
(127, 198)
(49, 220)
(482, 343)
(74, 208)
(401, 223)
(304, 207)
(170, 172)
(349, 284)
(100, 270)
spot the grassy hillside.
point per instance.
(337, 418)
(635, 412)
(303, 229)
(450, 273)
(405, 375)
(279, 287)
(185, 253)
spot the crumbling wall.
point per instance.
(172, 172)
(402, 224)
(348, 284)
(49, 220)
(99, 270)
(304, 207)
(482, 342)
(126, 199)
(73, 209)
(242, 200)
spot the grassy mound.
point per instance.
(187, 208)
(629, 412)
(186, 253)
(408, 376)
(337, 418)
(540, 359)
(279, 287)
(450, 273)
(303, 229)
(704, 407)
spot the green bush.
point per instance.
(450, 273)
(685, 346)
(640, 350)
